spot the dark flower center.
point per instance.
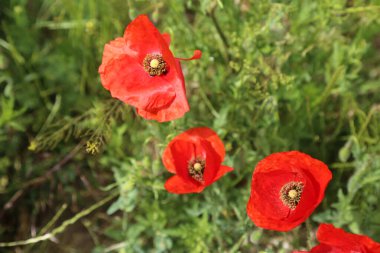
(154, 64)
(196, 169)
(290, 194)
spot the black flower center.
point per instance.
(154, 64)
(196, 169)
(290, 194)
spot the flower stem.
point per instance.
(309, 234)
(220, 32)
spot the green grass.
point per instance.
(274, 76)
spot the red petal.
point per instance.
(177, 108)
(325, 249)
(162, 97)
(327, 234)
(206, 133)
(113, 49)
(143, 38)
(182, 152)
(317, 169)
(166, 37)
(129, 82)
(196, 55)
(178, 185)
(194, 135)
(196, 142)
(205, 150)
(265, 207)
(168, 160)
(222, 170)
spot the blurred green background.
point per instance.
(274, 76)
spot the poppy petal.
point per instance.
(178, 107)
(310, 199)
(182, 153)
(158, 95)
(113, 49)
(143, 38)
(222, 170)
(178, 185)
(325, 249)
(266, 207)
(213, 161)
(194, 135)
(339, 239)
(314, 167)
(131, 84)
(190, 146)
(167, 159)
(205, 133)
(167, 38)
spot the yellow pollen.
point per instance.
(292, 194)
(197, 166)
(154, 63)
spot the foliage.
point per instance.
(274, 76)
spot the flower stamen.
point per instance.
(290, 194)
(154, 64)
(196, 169)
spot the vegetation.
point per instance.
(274, 76)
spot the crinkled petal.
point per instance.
(222, 171)
(177, 108)
(315, 168)
(322, 248)
(194, 135)
(143, 37)
(197, 133)
(205, 150)
(168, 160)
(182, 152)
(178, 185)
(128, 82)
(112, 50)
(337, 238)
(163, 97)
(167, 38)
(265, 207)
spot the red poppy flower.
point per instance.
(336, 240)
(286, 188)
(195, 157)
(139, 69)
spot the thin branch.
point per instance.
(218, 28)
(41, 179)
(61, 228)
(53, 220)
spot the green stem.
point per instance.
(54, 220)
(61, 228)
(219, 30)
(208, 103)
(309, 234)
